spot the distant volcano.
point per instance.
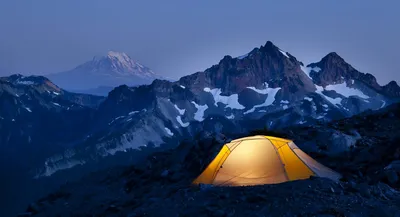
(111, 70)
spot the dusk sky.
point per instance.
(180, 37)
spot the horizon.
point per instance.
(175, 79)
(178, 39)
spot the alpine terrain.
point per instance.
(267, 87)
(62, 135)
(161, 184)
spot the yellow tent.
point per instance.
(260, 160)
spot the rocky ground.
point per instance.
(365, 149)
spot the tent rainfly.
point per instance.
(258, 160)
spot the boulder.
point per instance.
(395, 165)
(392, 176)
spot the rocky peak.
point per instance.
(267, 63)
(269, 47)
(392, 89)
(332, 69)
(333, 57)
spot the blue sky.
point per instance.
(180, 37)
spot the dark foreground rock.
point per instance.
(162, 187)
(162, 197)
(368, 159)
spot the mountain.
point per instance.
(111, 70)
(37, 120)
(161, 184)
(267, 87)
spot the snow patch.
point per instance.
(25, 82)
(314, 107)
(55, 93)
(307, 70)
(199, 115)
(183, 87)
(316, 69)
(181, 111)
(133, 112)
(169, 132)
(179, 119)
(284, 53)
(334, 101)
(28, 109)
(56, 104)
(308, 98)
(231, 101)
(284, 102)
(115, 119)
(302, 122)
(243, 56)
(345, 91)
(325, 106)
(285, 107)
(384, 103)
(230, 116)
(269, 101)
(264, 91)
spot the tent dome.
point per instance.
(258, 160)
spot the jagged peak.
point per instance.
(330, 59)
(267, 48)
(270, 44)
(333, 57)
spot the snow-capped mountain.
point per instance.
(267, 87)
(111, 70)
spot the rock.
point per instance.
(25, 214)
(364, 190)
(394, 165)
(255, 198)
(33, 208)
(164, 173)
(205, 187)
(392, 176)
(175, 177)
(113, 208)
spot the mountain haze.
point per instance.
(110, 70)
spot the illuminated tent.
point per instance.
(259, 160)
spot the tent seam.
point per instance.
(230, 151)
(303, 162)
(280, 159)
